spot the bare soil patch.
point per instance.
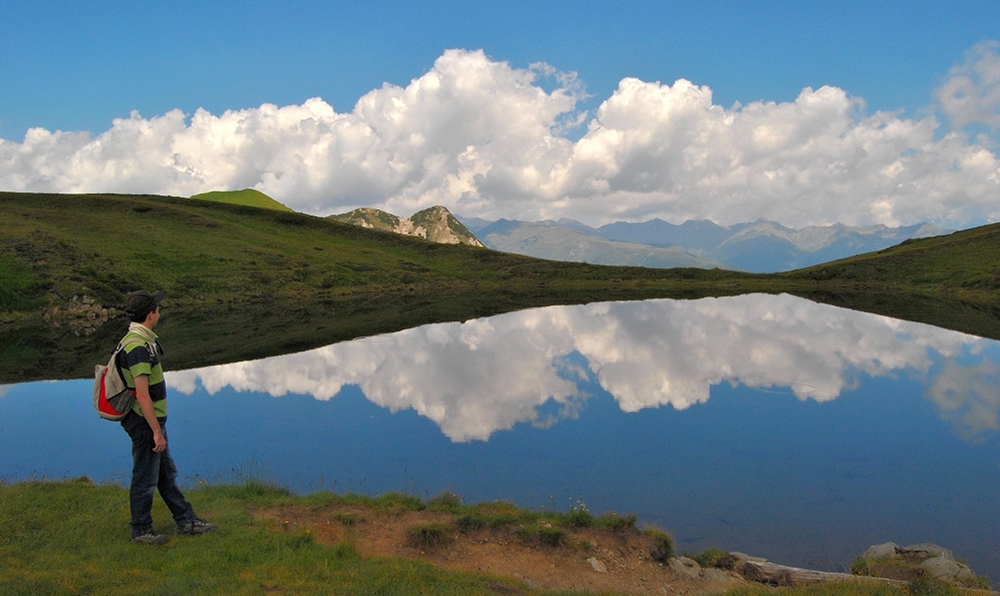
(588, 559)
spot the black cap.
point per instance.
(140, 303)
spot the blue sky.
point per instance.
(76, 67)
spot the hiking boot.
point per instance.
(195, 526)
(150, 538)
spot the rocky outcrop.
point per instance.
(917, 560)
(886, 562)
(685, 566)
(82, 315)
(436, 224)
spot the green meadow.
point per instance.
(247, 282)
(71, 537)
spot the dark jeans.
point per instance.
(152, 471)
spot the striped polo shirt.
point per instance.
(139, 360)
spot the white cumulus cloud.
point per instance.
(971, 93)
(486, 139)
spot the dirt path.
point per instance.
(588, 559)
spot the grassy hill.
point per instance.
(952, 281)
(244, 282)
(248, 197)
(964, 263)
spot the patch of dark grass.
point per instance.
(19, 290)
(862, 566)
(551, 536)
(446, 502)
(251, 482)
(398, 500)
(470, 523)
(578, 518)
(477, 521)
(662, 548)
(616, 522)
(926, 586)
(428, 536)
(543, 534)
(715, 557)
(348, 520)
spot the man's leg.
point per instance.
(167, 485)
(145, 474)
(180, 508)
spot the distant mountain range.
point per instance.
(762, 246)
(561, 242)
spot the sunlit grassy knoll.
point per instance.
(248, 197)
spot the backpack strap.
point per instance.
(124, 343)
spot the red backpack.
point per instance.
(112, 397)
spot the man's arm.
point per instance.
(146, 405)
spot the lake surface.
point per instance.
(765, 424)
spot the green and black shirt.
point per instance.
(144, 359)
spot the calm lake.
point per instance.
(765, 424)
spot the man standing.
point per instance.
(152, 467)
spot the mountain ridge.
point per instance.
(762, 246)
(559, 242)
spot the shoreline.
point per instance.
(559, 551)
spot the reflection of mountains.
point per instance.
(485, 375)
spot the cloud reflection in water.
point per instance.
(477, 377)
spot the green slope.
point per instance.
(244, 282)
(248, 197)
(964, 263)
(951, 281)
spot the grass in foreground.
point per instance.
(71, 537)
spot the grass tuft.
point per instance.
(446, 502)
(428, 536)
(349, 520)
(663, 545)
(251, 482)
(545, 535)
(398, 500)
(715, 557)
(578, 518)
(616, 522)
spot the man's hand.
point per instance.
(159, 441)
